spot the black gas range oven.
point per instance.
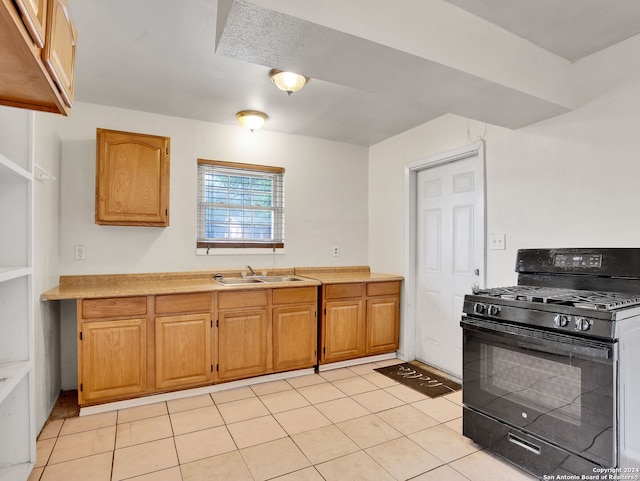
(551, 366)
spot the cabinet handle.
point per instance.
(524, 444)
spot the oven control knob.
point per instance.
(479, 308)
(560, 320)
(582, 324)
(494, 310)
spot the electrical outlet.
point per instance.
(335, 251)
(497, 242)
(80, 252)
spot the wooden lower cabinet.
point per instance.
(182, 350)
(343, 330)
(266, 331)
(113, 359)
(294, 337)
(383, 318)
(133, 346)
(359, 319)
(242, 343)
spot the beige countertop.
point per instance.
(344, 275)
(125, 285)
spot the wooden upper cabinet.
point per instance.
(59, 52)
(37, 56)
(34, 16)
(132, 179)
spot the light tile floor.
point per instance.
(349, 424)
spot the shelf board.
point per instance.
(7, 167)
(8, 273)
(16, 471)
(11, 373)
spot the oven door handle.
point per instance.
(542, 341)
(588, 351)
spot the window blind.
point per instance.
(240, 205)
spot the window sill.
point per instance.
(231, 251)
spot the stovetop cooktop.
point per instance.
(603, 301)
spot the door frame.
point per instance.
(407, 340)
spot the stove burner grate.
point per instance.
(604, 301)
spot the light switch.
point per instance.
(497, 241)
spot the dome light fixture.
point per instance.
(287, 81)
(251, 119)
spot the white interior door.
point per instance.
(449, 257)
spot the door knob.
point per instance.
(476, 272)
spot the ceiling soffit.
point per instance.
(262, 36)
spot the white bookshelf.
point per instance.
(17, 377)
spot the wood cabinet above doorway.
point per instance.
(38, 42)
(132, 179)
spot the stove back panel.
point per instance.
(595, 269)
(582, 282)
(601, 262)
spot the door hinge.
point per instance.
(324, 350)
(81, 335)
(325, 311)
(217, 367)
(166, 212)
(167, 150)
(81, 387)
(315, 314)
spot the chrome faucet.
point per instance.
(253, 273)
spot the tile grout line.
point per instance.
(357, 376)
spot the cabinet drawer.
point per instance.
(383, 288)
(114, 307)
(231, 300)
(343, 291)
(294, 295)
(175, 303)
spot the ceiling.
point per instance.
(207, 59)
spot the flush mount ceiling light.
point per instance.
(287, 81)
(251, 119)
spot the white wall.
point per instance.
(569, 181)
(325, 204)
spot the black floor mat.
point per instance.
(420, 379)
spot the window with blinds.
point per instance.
(240, 205)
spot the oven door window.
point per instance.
(557, 387)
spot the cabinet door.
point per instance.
(242, 343)
(132, 179)
(294, 337)
(34, 15)
(343, 330)
(59, 52)
(182, 350)
(382, 325)
(113, 359)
